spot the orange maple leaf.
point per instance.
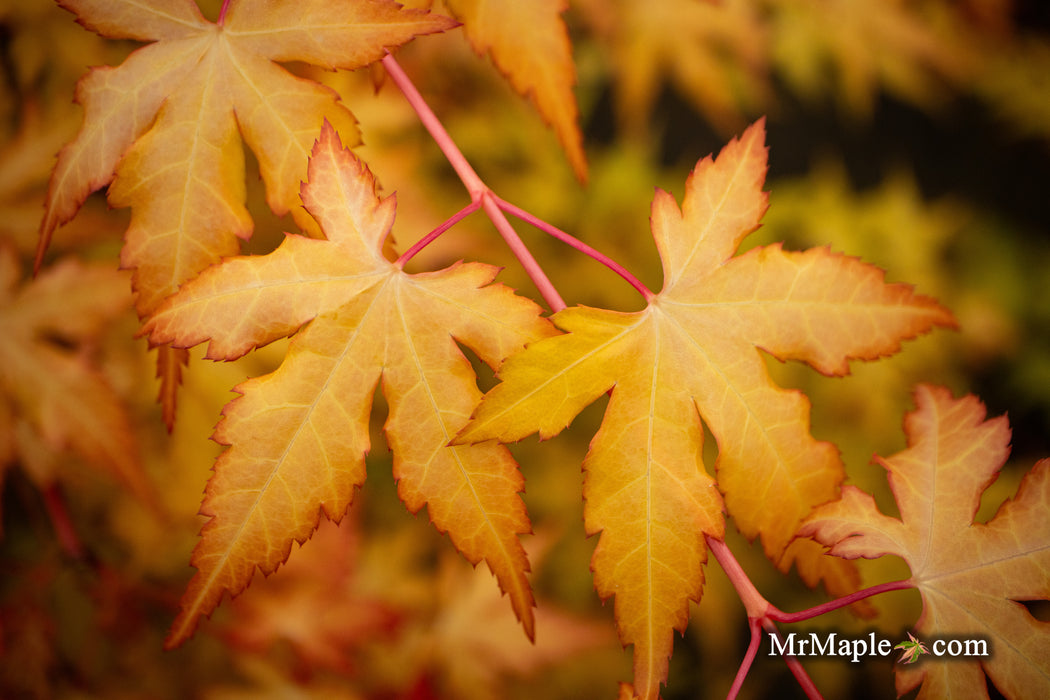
(970, 574)
(692, 354)
(59, 399)
(529, 43)
(298, 437)
(165, 127)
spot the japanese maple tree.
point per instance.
(166, 132)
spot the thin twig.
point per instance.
(749, 658)
(576, 243)
(479, 191)
(817, 610)
(429, 238)
(794, 665)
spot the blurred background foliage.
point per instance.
(914, 134)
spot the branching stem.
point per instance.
(794, 665)
(429, 238)
(576, 243)
(745, 665)
(482, 196)
(761, 614)
(755, 605)
(479, 191)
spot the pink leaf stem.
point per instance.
(479, 191)
(429, 238)
(755, 605)
(817, 610)
(576, 243)
(455, 157)
(749, 657)
(760, 614)
(523, 254)
(794, 665)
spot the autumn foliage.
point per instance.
(720, 372)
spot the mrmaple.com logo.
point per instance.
(832, 644)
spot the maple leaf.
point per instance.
(165, 127)
(470, 658)
(713, 53)
(298, 436)
(59, 399)
(911, 650)
(529, 43)
(692, 354)
(970, 574)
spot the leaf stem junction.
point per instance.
(482, 197)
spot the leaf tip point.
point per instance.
(327, 135)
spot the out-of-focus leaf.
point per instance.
(713, 53)
(47, 374)
(971, 575)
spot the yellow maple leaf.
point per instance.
(58, 398)
(969, 574)
(298, 437)
(166, 125)
(712, 53)
(852, 50)
(693, 354)
(529, 43)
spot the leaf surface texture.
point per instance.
(298, 437)
(692, 355)
(166, 125)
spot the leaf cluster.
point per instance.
(344, 317)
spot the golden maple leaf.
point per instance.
(712, 53)
(165, 127)
(529, 43)
(298, 437)
(916, 51)
(969, 574)
(693, 354)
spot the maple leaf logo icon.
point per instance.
(911, 650)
